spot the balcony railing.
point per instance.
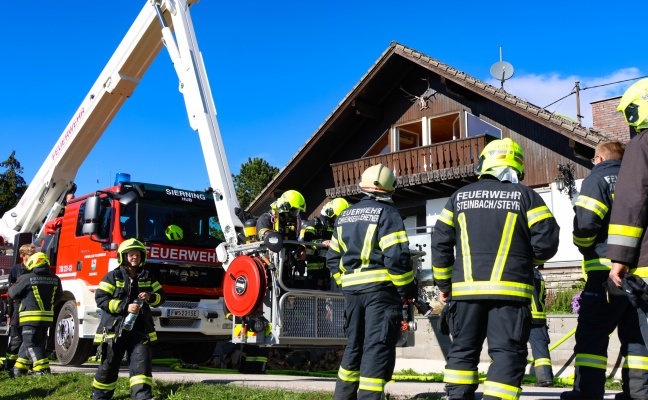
(436, 162)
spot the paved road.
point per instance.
(399, 390)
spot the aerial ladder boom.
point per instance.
(116, 83)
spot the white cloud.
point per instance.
(543, 90)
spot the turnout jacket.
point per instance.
(592, 217)
(269, 222)
(38, 292)
(627, 242)
(370, 249)
(116, 291)
(538, 307)
(500, 231)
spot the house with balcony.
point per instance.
(429, 122)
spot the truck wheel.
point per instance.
(195, 352)
(70, 348)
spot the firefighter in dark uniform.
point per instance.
(500, 229)
(38, 292)
(627, 242)
(284, 219)
(599, 312)
(116, 296)
(539, 335)
(369, 258)
(15, 335)
(320, 230)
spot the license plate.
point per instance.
(181, 313)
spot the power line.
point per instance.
(613, 83)
(592, 87)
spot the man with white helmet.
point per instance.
(369, 258)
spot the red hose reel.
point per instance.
(244, 285)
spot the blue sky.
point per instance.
(278, 69)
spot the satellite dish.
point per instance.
(501, 70)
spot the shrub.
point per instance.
(560, 301)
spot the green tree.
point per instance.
(12, 185)
(254, 176)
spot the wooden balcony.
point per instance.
(440, 162)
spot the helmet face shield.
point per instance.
(631, 114)
(291, 202)
(634, 105)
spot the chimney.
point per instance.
(608, 121)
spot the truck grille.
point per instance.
(180, 304)
(178, 323)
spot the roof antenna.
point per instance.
(501, 70)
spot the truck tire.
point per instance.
(195, 352)
(70, 348)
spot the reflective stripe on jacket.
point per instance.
(370, 248)
(38, 292)
(538, 307)
(500, 231)
(592, 216)
(113, 297)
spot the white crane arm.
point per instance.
(115, 84)
(194, 86)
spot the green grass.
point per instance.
(75, 385)
(72, 386)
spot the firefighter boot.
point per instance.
(8, 366)
(18, 372)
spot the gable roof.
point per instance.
(383, 76)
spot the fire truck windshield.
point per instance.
(184, 224)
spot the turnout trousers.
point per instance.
(253, 359)
(32, 351)
(372, 323)
(598, 316)
(539, 341)
(13, 347)
(137, 346)
(506, 325)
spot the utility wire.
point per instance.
(613, 83)
(591, 87)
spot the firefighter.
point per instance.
(499, 229)
(320, 230)
(599, 311)
(284, 219)
(38, 291)
(369, 258)
(627, 245)
(539, 335)
(15, 336)
(116, 297)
